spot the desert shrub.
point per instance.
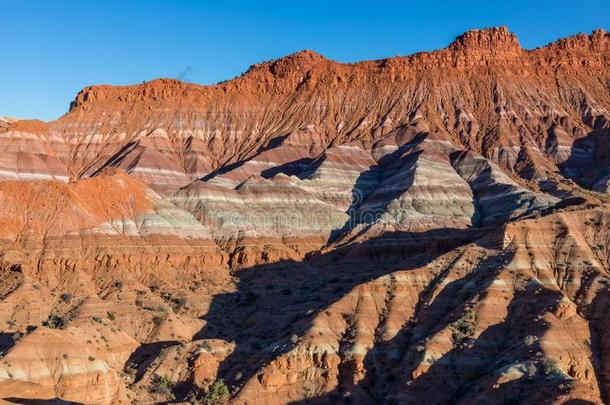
(217, 394)
(158, 320)
(91, 358)
(530, 340)
(161, 385)
(65, 297)
(97, 319)
(550, 368)
(111, 315)
(54, 321)
(179, 302)
(463, 327)
(350, 318)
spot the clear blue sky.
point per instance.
(50, 50)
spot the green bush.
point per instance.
(217, 394)
(463, 327)
(161, 385)
(54, 321)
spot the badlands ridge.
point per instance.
(422, 229)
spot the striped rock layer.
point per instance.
(423, 228)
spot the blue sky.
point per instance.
(50, 50)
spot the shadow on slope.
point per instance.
(276, 303)
(393, 164)
(467, 373)
(589, 158)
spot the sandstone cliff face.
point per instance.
(393, 231)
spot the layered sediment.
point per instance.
(425, 227)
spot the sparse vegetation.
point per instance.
(350, 318)
(463, 327)
(16, 336)
(530, 340)
(111, 315)
(97, 319)
(158, 320)
(550, 368)
(217, 394)
(179, 302)
(65, 297)
(91, 358)
(161, 385)
(54, 321)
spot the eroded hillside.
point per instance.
(421, 229)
